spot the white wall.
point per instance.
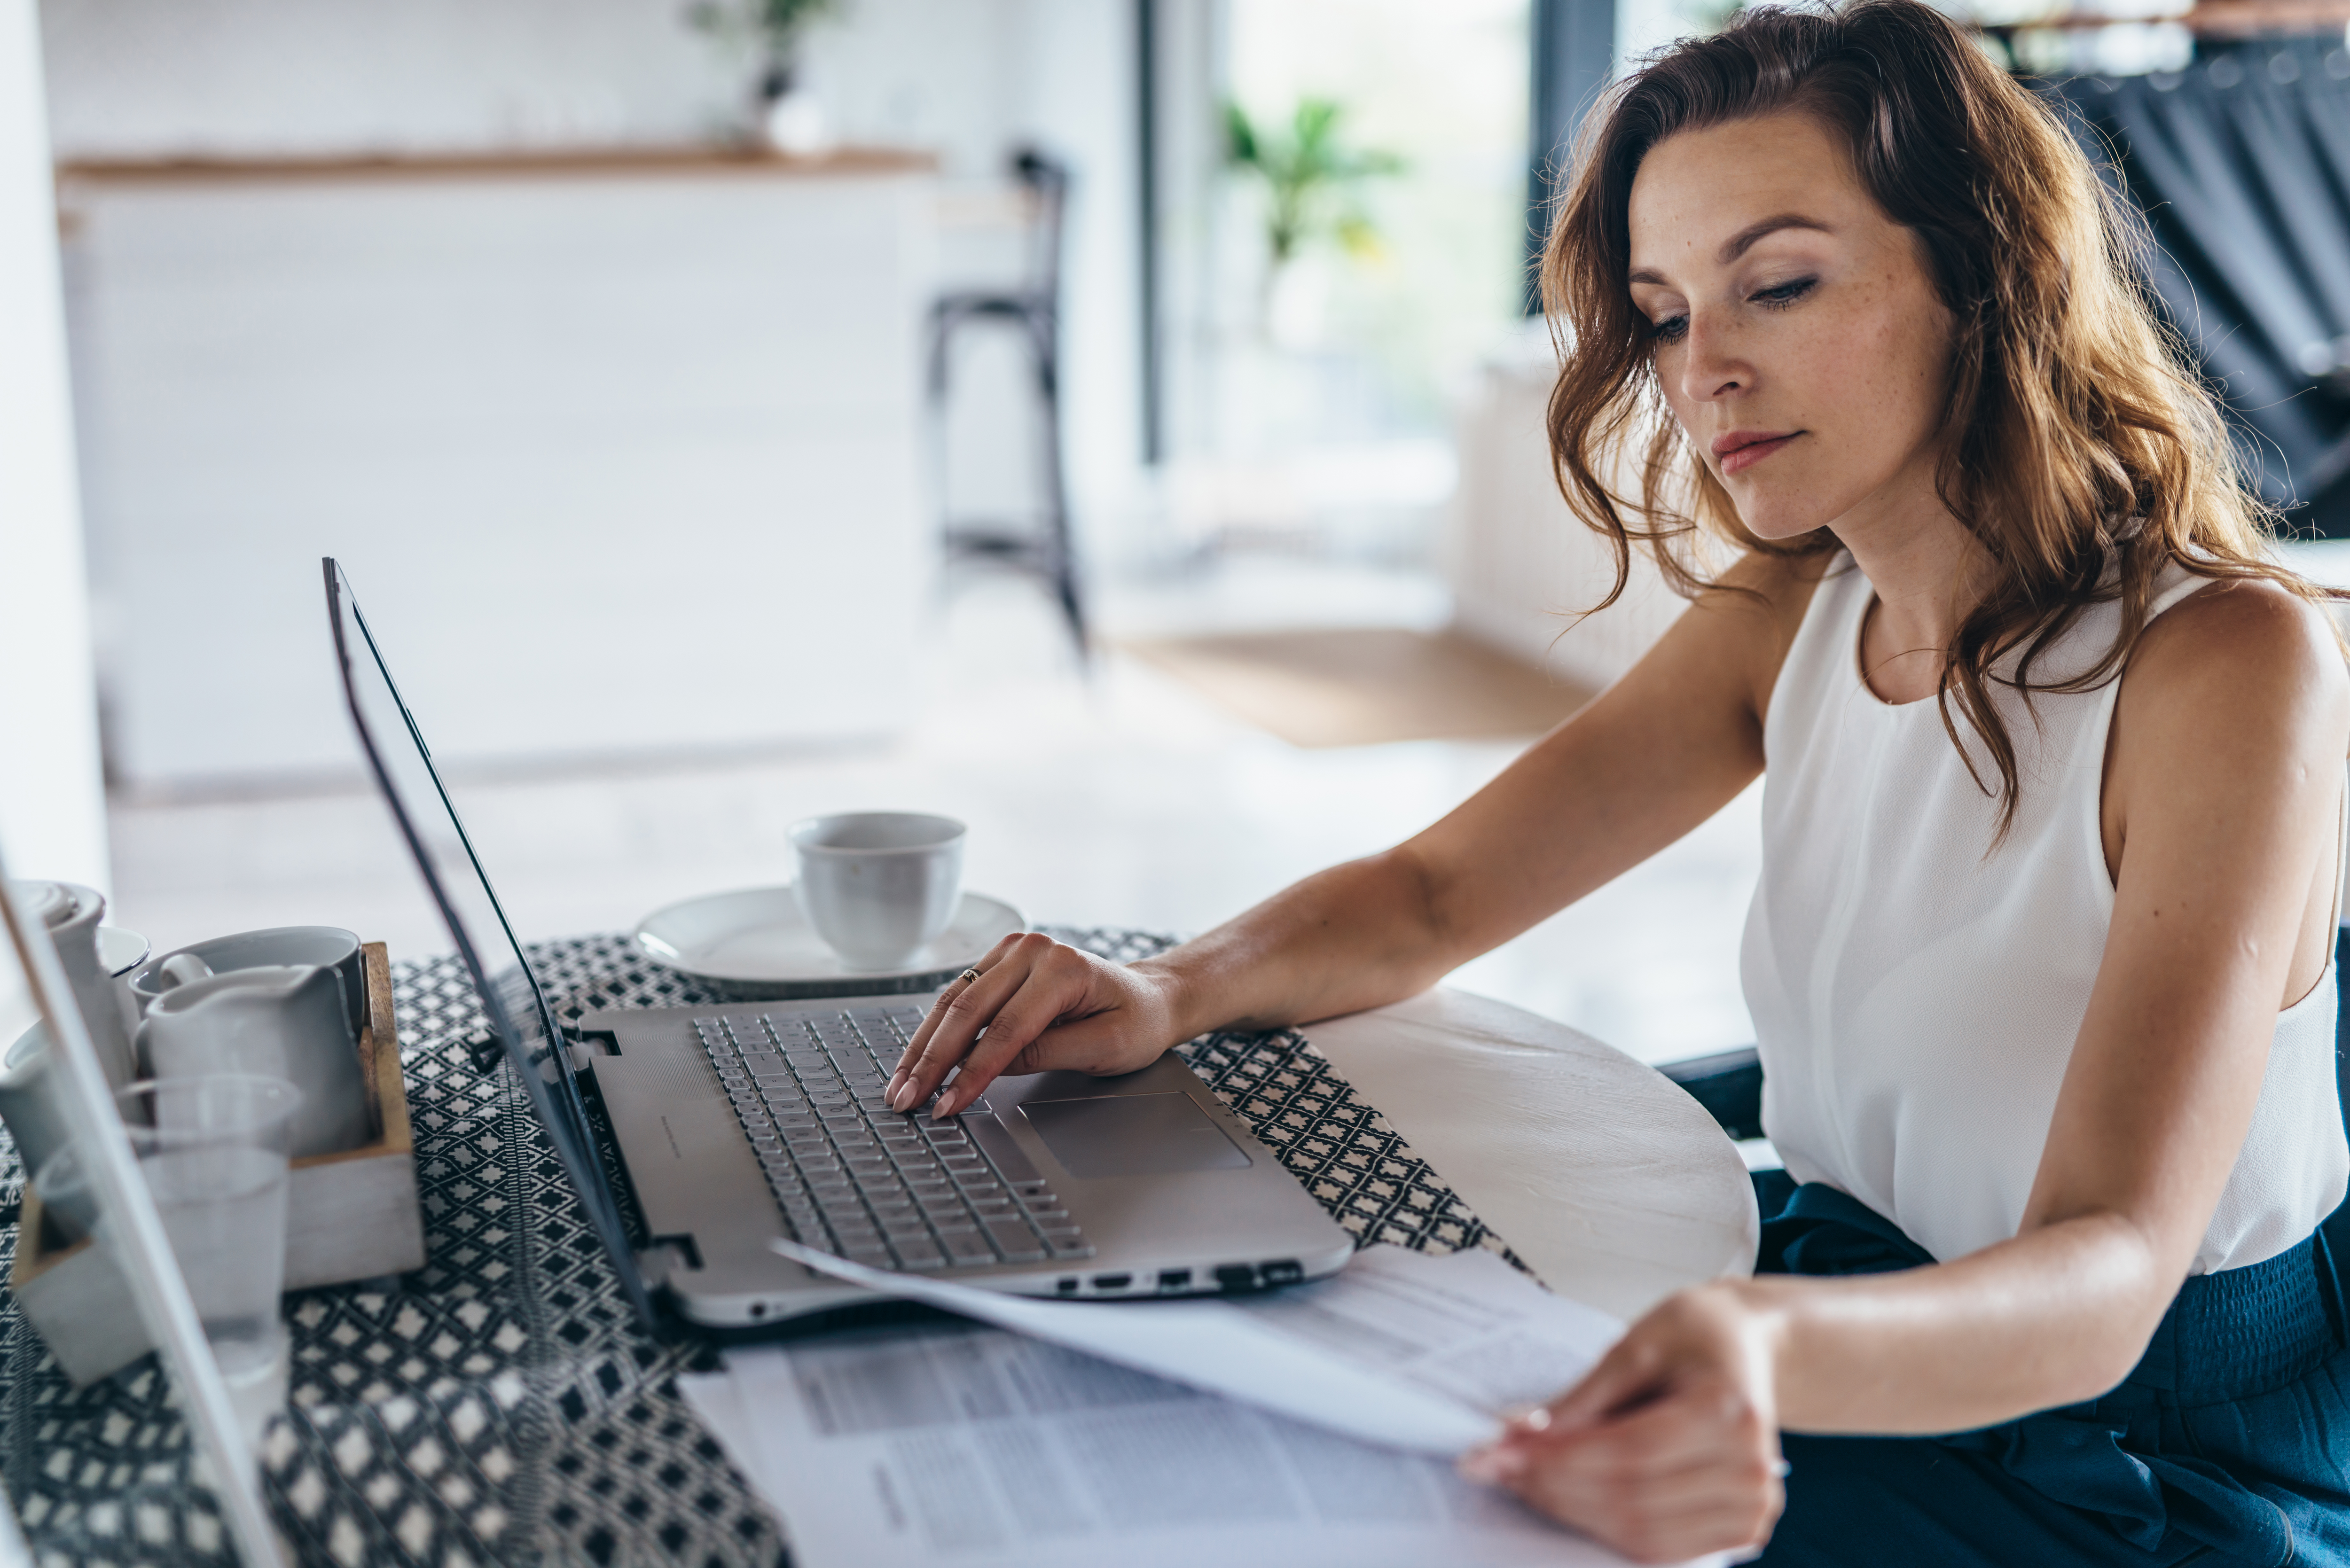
(52, 807)
(135, 77)
(966, 79)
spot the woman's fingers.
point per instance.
(1635, 1369)
(954, 1024)
(1673, 1480)
(1667, 1435)
(1668, 1448)
(1694, 1427)
(931, 1020)
(1718, 1506)
(1027, 1011)
(1011, 1031)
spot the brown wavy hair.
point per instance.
(2086, 453)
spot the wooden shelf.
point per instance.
(550, 163)
(2277, 19)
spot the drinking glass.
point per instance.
(212, 1150)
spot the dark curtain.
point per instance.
(1574, 48)
(2242, 165)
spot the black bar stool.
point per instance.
(1033, 310)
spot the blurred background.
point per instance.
(1114, 423)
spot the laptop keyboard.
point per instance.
(855, 1179)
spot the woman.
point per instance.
(2041, 959)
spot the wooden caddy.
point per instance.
(351, 1215)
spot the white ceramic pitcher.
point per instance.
(72, 914)
(279, 1021)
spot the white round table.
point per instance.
(1611, 1183)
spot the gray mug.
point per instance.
(328, 946)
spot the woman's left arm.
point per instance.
(2223, 790)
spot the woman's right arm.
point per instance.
(1650, 758)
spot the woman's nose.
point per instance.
(1710, 368)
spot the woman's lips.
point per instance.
(1739, 453)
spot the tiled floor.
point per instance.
(1123, 799)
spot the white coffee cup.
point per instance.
(878, 886)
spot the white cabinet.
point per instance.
(1522, 568)
(621, 454)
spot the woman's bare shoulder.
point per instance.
(1749, 615)
(2239, 659)
(2242, 634)
(1762, 597)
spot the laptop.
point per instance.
(731, 1124)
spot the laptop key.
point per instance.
(1016, 1242)
(967, 1247)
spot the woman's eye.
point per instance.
(1672, 329)
(1782, 295)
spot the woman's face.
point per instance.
(1796, 334)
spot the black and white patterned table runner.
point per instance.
(501, 1405)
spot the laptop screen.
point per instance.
(511, 996)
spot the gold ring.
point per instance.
(966, 977)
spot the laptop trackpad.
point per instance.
(1132, 1134)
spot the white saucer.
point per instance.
(757, 943)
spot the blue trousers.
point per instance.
(2228, 1444)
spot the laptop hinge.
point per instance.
(666, 1256)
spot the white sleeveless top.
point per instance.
(1915, 1001)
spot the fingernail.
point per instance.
(1491, 1465)
(1534, 1420)
(902, 1097)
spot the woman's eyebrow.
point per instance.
(1739, 244)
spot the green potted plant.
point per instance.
(773, 32)
(1312, 181)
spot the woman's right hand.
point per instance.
(1036, 1004)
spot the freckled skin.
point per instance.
(1857, 363)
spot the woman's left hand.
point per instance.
(1670, 1449)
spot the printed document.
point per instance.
(1400, 1348)
(973, 1446)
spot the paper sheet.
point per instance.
(982, 1449)
(1401, 1349)
(986, 1449)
